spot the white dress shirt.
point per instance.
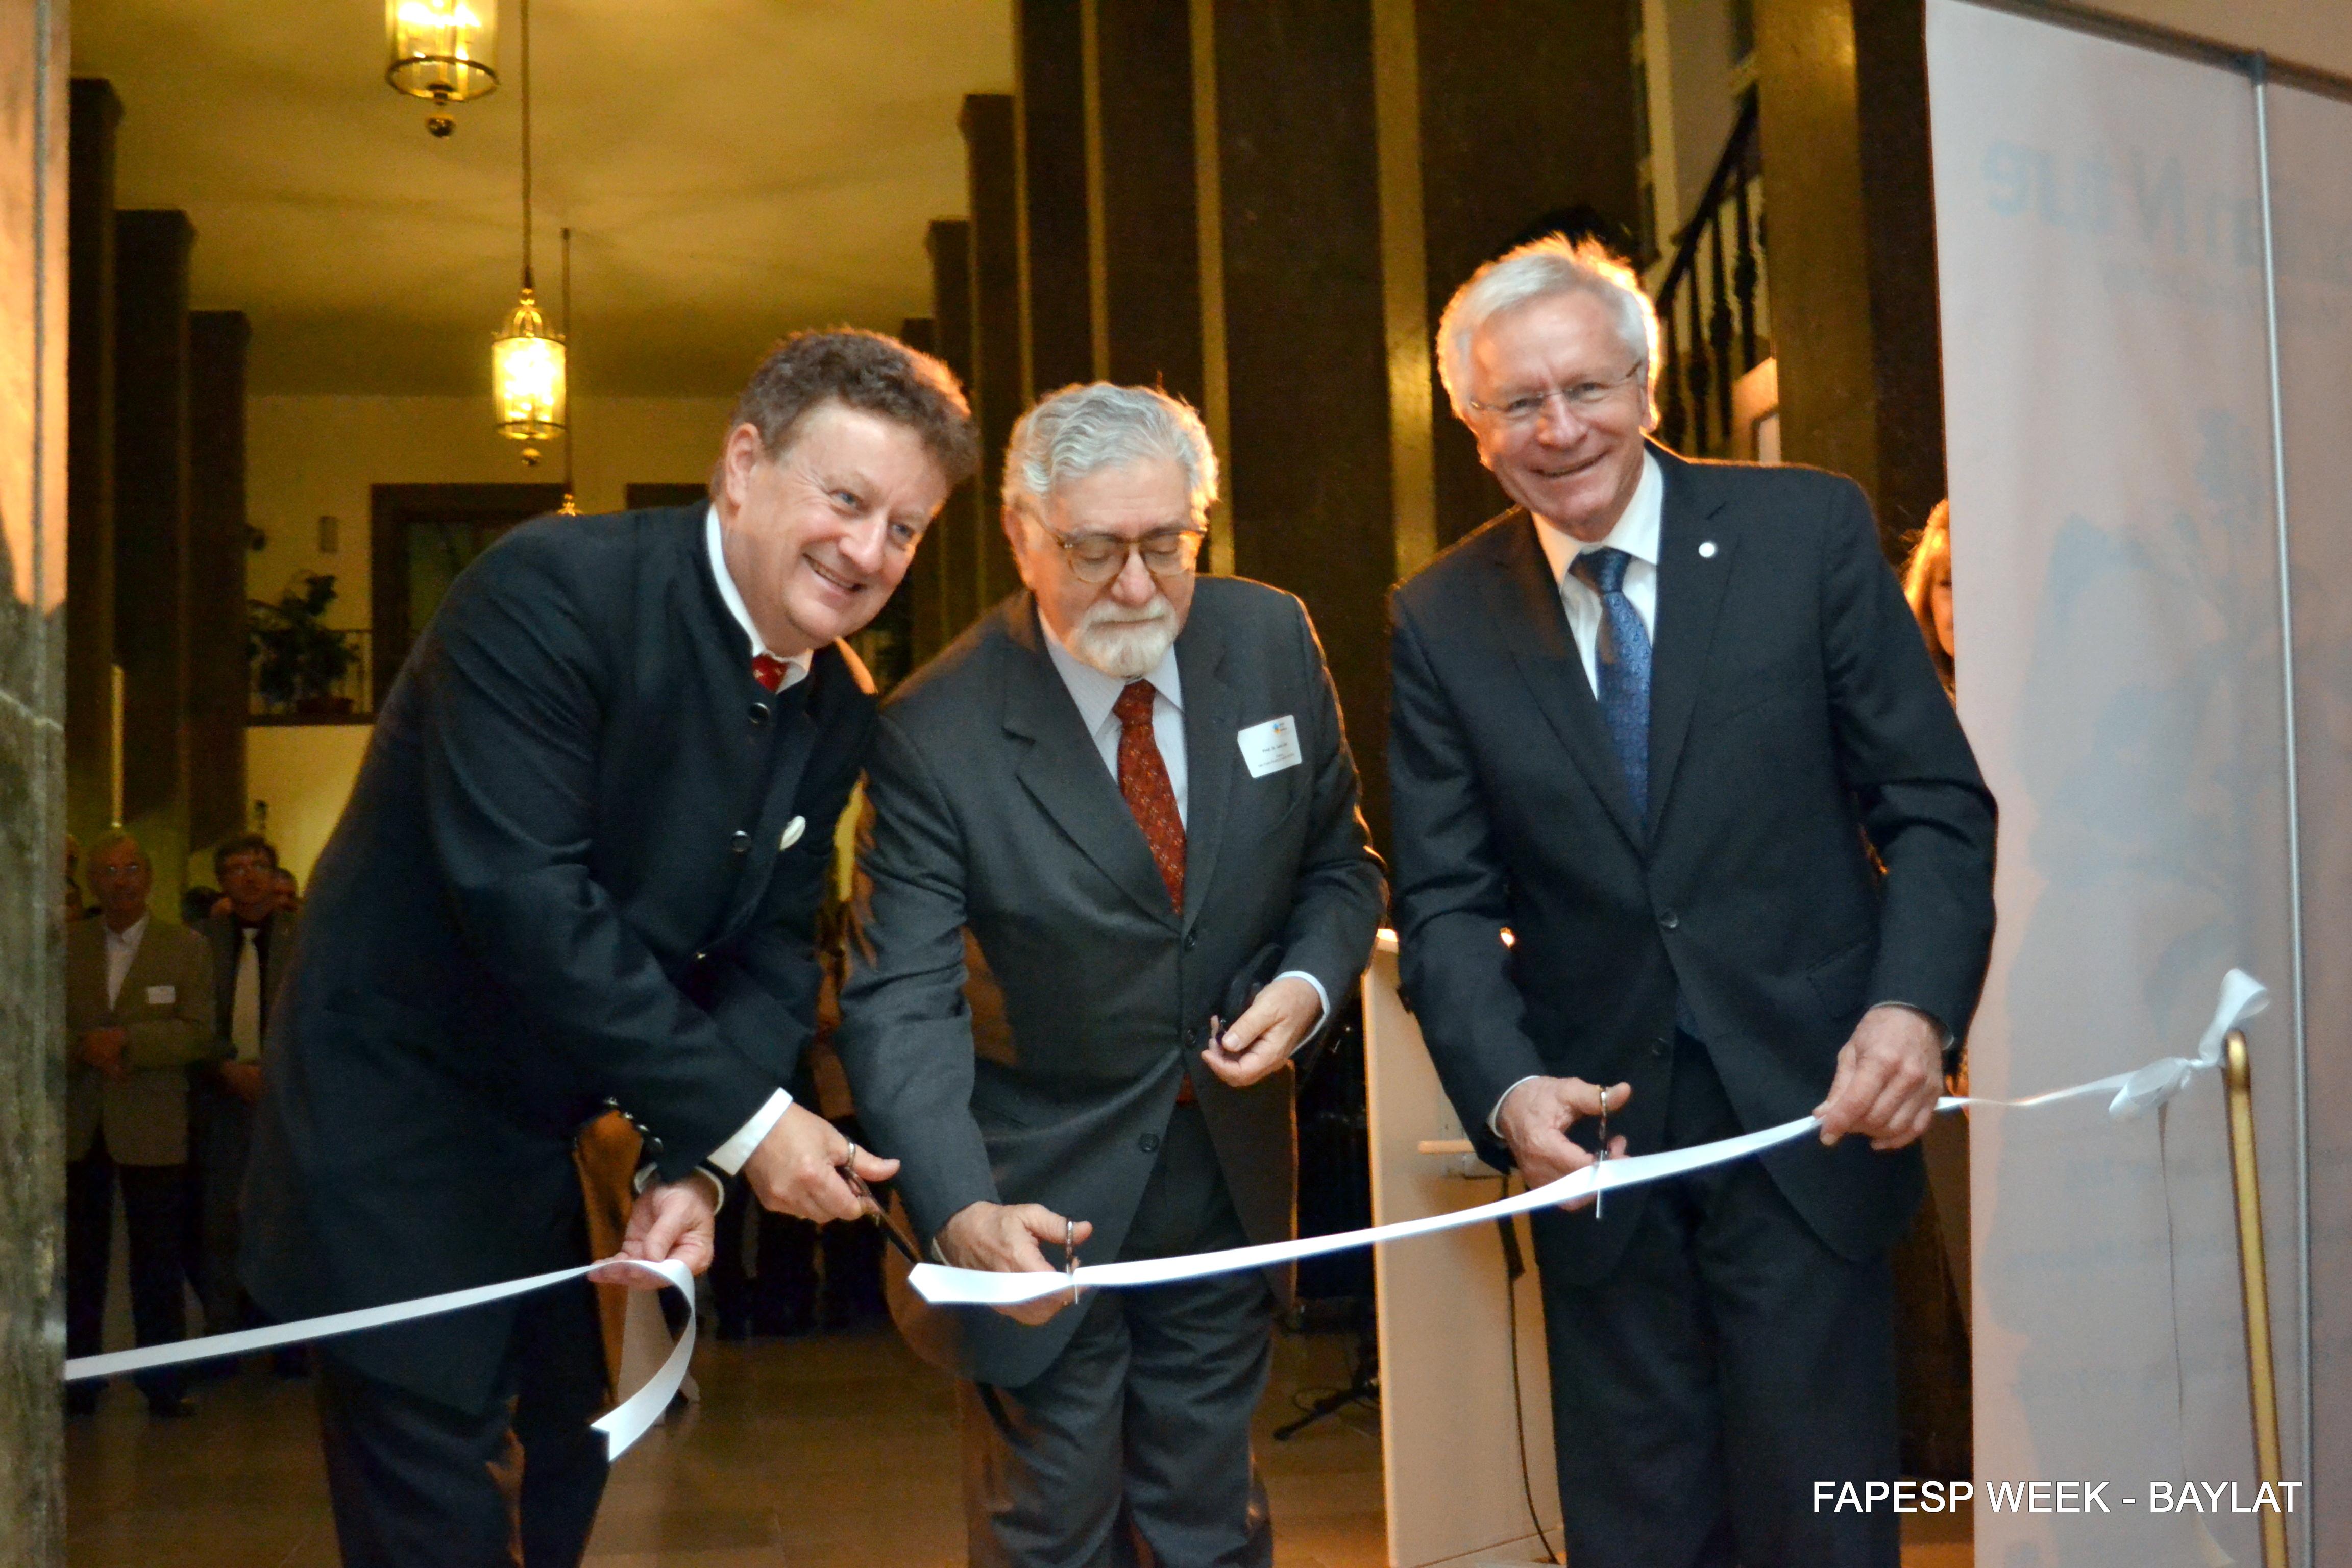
(1636, 534)
(729, 1156)
(121, 952)
(1097, 694)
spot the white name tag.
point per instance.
(163, 995)
(1270, 747)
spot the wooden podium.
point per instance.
(1448, 1429)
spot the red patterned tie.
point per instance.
(1143, 780)
(769, 671)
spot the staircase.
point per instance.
(1718, 383)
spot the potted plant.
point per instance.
(298, 662)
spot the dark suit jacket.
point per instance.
(559, 883)
(1793, 713)
(993, 809)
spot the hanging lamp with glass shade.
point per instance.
(527, 380)
(444, 50)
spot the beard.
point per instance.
(1125, 644)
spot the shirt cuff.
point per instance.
(729, 1156)
(647, 1175)
(1321, 995)
(1494, 1117)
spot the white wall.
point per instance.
(312, 456)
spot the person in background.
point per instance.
(251, 939)
(288, 892)
(138, 1013)
(1928, 584)
(196, 905)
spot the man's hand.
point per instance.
(797, 1169)
(670, 1222)
(104, 1048)
(1262, 1038)
(1888, 1076)
(1534, 1119)
(1001, 1238)
(243, 1079)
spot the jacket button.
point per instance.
(741, 843)
(1148, 1142)
(1658, 1046)
(1191, 940)
(759, 714)
(1670, 919)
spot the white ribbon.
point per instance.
(2243, 996)
(621, 1426)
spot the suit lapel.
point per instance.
(1690, 598)
(1064, 771)
(1526, 601)
(1212, 718)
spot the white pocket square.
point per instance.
(792, 831)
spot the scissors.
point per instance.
(891, 1229)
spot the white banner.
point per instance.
(2115, 574)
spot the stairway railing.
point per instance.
(1713, 316)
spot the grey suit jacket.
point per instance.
(992, 810)
(165, 1006)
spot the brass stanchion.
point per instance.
(2262, 1375)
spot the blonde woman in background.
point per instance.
(1927, 584)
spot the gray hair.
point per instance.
(1540, 269)
(1083, 429)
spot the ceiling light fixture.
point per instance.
(526, 359)
(444, 50)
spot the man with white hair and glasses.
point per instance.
(1652, 722)
(1131, 787)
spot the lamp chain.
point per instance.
(526, 144)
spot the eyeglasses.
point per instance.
(1097, 558)
(1582, 397)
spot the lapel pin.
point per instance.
(792, 831)
(1706, 550)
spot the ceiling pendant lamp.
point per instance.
(445, 50)
(526, 359)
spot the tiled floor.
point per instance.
(837, 1452)
(815, 1453)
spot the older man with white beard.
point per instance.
(1131, 787)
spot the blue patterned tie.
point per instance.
(1624, 666)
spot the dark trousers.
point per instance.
(1727, 1364)
(220, 1136)
(1138, 1434)
(776, 1295)
(413, 1480)
(153, 1199)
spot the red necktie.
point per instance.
(769, 671)
(1143, 780)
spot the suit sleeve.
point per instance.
(185, 1034)
(1923, 802)
(509, 738)
(906, 1028)
(1453, 893)
(1340, 895)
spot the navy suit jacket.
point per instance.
(562, 882)
(1795, 725)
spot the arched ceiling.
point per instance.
(731, 170)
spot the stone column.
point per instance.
(216, 593)
(1843, 91)
(1145, 229)
(999, 394)
(956, 543)
(1051, 120)
(90, 758)
(34, 563)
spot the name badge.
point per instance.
(1270, 747)
(163, 995)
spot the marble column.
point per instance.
(216, 595)
(34, 328)
(955, 540)
(1843, 92)
(1050, 106)
(90, 756)
(993, 184)
(151, 532)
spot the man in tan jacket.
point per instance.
(139, 1011)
